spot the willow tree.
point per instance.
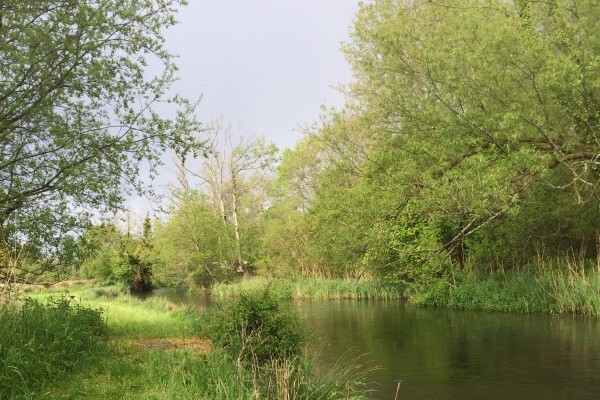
(470, 103)
(79, 116)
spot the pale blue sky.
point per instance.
(266, 64)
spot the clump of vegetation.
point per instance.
(544, 286)
(507, 291)
(42, 341)
(255, 328)
(120, 257)
(266, 342)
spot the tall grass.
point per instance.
(181, 375)
(570, 284)
(43, 341)
(133, 370)
(506, 291)
(311, 288)
(573, 284)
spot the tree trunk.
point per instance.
(238, 243)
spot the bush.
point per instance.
(40, 342)
(267, 342)
(255, 329)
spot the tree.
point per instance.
(193, 246)
(285, 246)
(102, 247)
(138, 256)
(79, 113)
(235, 174)
(467, 106)
(117, 254)
(320, 215)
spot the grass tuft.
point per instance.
(40, 342)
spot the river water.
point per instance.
(449, 354)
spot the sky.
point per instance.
(266, 65)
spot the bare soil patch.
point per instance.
(201, 345)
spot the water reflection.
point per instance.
(442, 354)
(445, 354)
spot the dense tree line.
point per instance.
(470, 138)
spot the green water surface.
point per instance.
(449, 354)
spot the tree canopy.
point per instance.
(81, 113)
(470, 135)
(470, 138)
(470, 104)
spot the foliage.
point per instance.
(193, 246)
(234, 172)
(284, 245)
(469, 137)
(117, 256)
(471, 105)
(314, 227)
(101, 244)
(40, 342)
(546, 222)
(255, 328)
(79, 118)
(469, 143)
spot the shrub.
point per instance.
(255, 328)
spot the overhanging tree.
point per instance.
(79, 116)
(470, 103)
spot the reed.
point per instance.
(573, 284)
(569, 284)
(312, 288)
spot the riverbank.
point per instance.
(315, 289)
(564, 287)
(156, 348)
(571, 287)
(147, 349)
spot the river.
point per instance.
(449, 354)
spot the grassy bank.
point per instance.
(548, 286)
(306, 288)
(558, 286)
(126, 316)
(41, 342)
(144, 350)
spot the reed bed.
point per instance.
(309, 288)
(572, 283)
(561, 285)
